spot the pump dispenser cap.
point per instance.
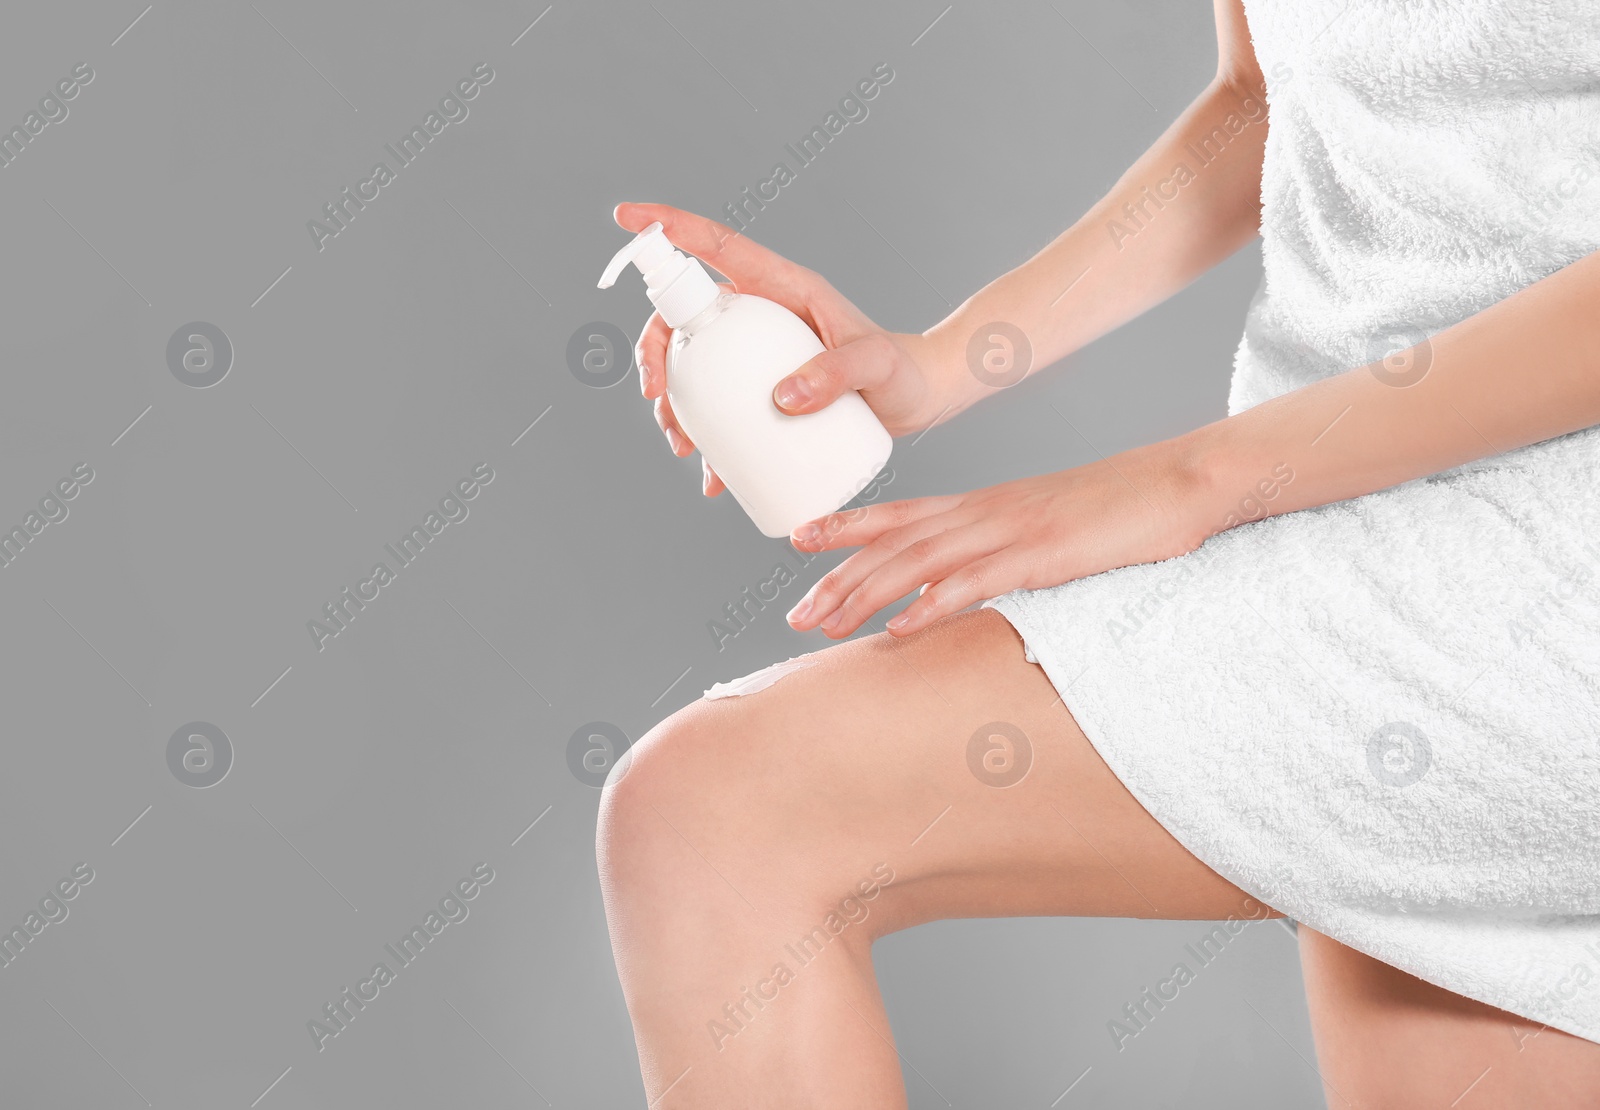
(677, 285)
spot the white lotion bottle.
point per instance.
(727, 353)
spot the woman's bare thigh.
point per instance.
(902, 753)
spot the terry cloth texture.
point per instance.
(1382, 717)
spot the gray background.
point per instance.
(375, 374)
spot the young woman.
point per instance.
(1333, 655)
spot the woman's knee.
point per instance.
(682, 791)
(655, 774)
(706, 799)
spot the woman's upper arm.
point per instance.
(1236, 53)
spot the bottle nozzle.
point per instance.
(677, 285)
(647, 250)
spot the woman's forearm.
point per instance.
(1189, 202)
(1523, 370)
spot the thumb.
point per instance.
(860, 364)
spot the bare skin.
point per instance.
(736, 826)
(740, 824)
(1388, 1039)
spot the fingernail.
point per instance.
(800, 612)
(807, 533)
(899, 622)
(835, 619)
(793, 392)
(674, 440)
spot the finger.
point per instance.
(650, 352)
(930, 559)
(710, 484)
(855, 527)
(988, 577)
(714, 485)
(651, 355)
(752, 267)
(863, 363)
(656, 384)
(668, 421)
(825, 597)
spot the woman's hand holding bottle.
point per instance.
(909, 381)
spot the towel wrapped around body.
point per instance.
(1382, 716)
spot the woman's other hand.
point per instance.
(1138, 507)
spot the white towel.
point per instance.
(1382, 717)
